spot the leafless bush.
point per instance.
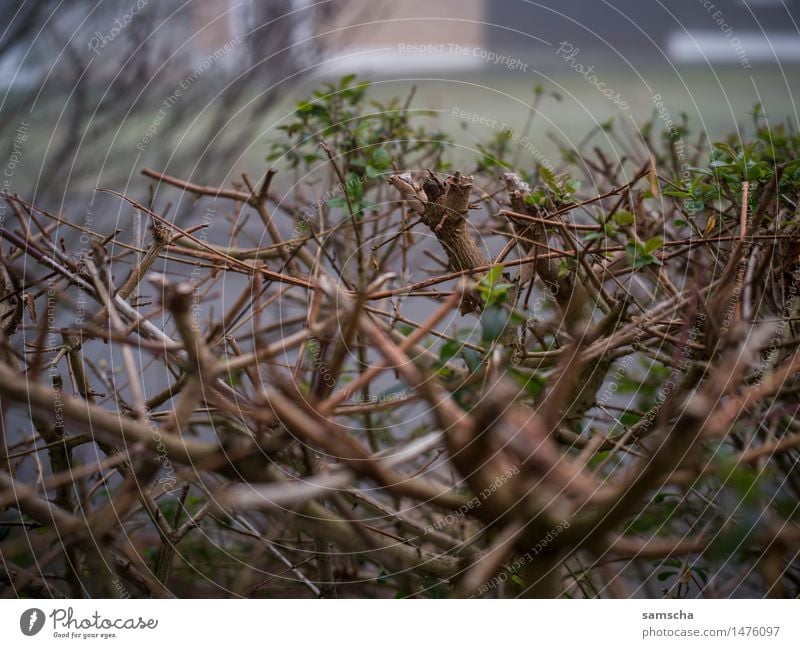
(590, 395)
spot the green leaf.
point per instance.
(624, 218)
(380, 158)
(517, 318)
(731, 541)
(494, 274)
(311, 109)
(347, 80)
(472, 359)
(629, 418)
(653, 244)
(449, 350)
(493, 323)
(548, 177)
(354, 186)
(537, 199)
(533, 384)
(674, 193)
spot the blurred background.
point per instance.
(93, 91)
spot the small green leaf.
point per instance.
(653, 244)
(347, 80)
(472, 359)
(494, 274)
(676, 194)
(449, 350)
(380, 158)
(624, 218)
(629, 418)
(493, 323)
(548, 177)
(354, 186)
(537, 198)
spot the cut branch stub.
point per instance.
(11, 304)
(567, 291)
(446, 216)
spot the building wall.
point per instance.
(418, 21)
(640, 28)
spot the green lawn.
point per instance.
(717, 104)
